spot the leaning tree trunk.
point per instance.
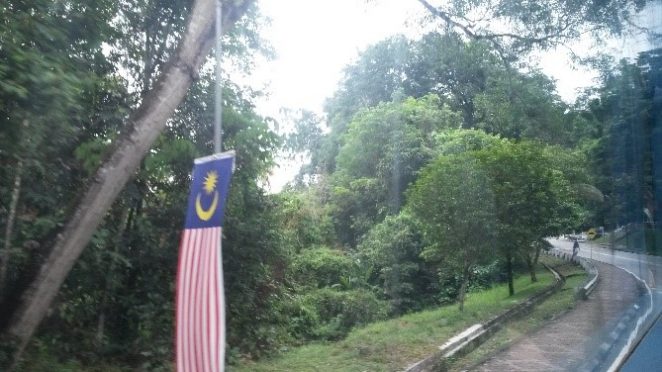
(144, 126)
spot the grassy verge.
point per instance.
(550, 309)
(394, 344)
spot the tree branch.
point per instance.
(446, 17)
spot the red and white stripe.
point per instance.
(200, 329)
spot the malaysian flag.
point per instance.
(200, 317)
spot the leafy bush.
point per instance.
(390, 255)
(339, 311)
(329, 314)
(321, 267)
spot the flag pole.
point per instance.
(218, 122)
(218, 106)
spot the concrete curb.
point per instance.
(474, 336)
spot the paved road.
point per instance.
(568, 342)
(648, 268)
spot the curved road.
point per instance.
(646, 356)
(569, 341)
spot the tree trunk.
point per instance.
(532, 268)
(509, 270)
(463, 288)
(144, 126)
(9, 230)
(534, 262)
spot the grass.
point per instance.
(394, 344)
(550, 309)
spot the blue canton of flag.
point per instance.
(211, 180)
(200, 317)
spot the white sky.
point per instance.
(315, 39)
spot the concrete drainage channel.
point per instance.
(474, 336)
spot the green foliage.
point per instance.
(62, 104)
(625, 156)
(453, 200)
(390, 258)
(304, 221)
(522, 106)
(323, 267)
(336, 252)
(393, 344)
(383, 149)
(337, 312)
(464, 140)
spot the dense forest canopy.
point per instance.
(439, 167)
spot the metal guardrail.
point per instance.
(585, 289)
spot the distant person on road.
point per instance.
(575, 249)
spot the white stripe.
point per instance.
(199, 294)
(191, 341)
(186, 300)
(200, 342)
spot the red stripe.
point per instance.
(218, 283)
(186, 306)
(204, 304)
(189, 251)
(191, 341)
(213, 330)
(219, 346)
(200, 310)
(199, 347)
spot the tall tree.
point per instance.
(382, 151)
(531, 198)
(50, 63)
(390, 255)
(453, 200)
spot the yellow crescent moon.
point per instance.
(205, 215)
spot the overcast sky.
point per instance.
(315, 39)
